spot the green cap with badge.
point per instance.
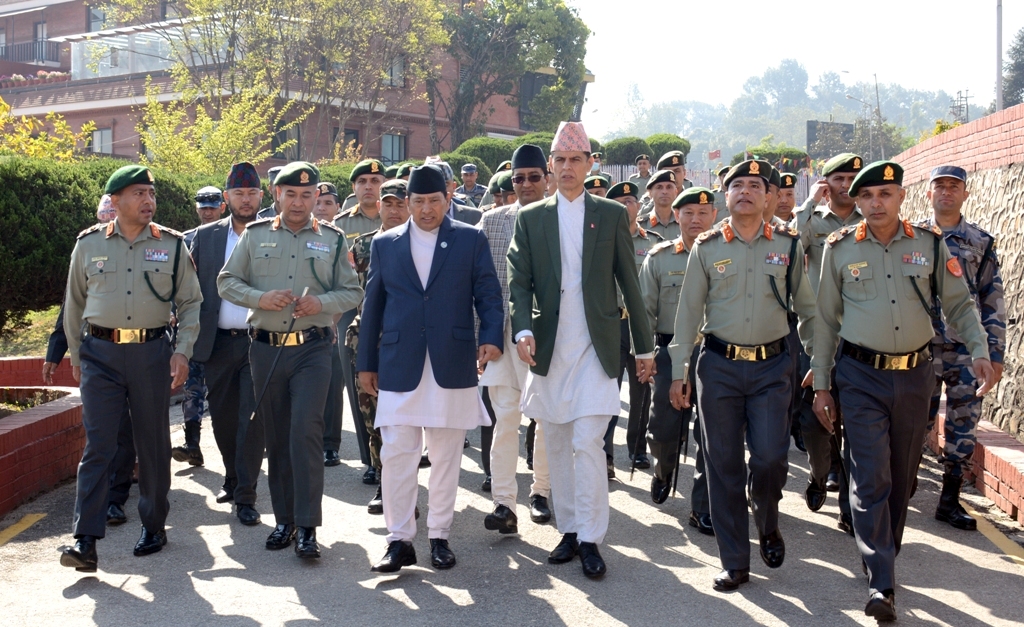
(505, 181)
(595, 182)
(694, 196)
(327, 189)
(504, 165)
(661, 176)
(366, 166)
(128, 175)
(875, 174)
(788, 180)
(671, 159)
(623, 189)
(391, 172)
(722, 171)
(750, 167)
(403, 170)
(775, 178)
(846, 162)
(298, 174)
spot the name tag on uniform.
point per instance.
(641, 252)
(351, 235)
(720, 265)
(155, 254)
(268, 244)
(916, 258)
(319, 246)
(95, 259)
(676, 272)
(854, 268)
(777, 259)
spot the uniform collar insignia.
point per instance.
(154, 231)
(316, 226)
(110, 228)
(642, 232)
(654, 219)
(768, 231)
(679, 246)
(728, 233)
(908, 229)
(276, 224)
(862, 231)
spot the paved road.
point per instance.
(214, 571)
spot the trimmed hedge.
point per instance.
(457, 160)
(489, 150)
(623, 151)
(661, 143)
(772, 155)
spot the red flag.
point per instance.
(715, 154)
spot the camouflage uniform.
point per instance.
(194, 404)
(952, 360)
(367, 402)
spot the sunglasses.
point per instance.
(533, 178)
(217, 198)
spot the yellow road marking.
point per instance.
(8, 534)
(1012, 550)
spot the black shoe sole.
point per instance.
(250, 523)
(707, 532)
(732, 585)
(972, 526)
(113, 522)
(332, 463)
(492, 525)
(440, 566)
(308, 554)
(278, 547)
(561, 560)
(73, 561)
(540, 520)
(881, 612)
(592, 575)
(375, 510)
(148, 550)
(409, 561)
(180, 455)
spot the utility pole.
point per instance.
(878, 110)
(999, 55)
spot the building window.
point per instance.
(102, 141)
(97, 19)
(351, 138)
(169, 9)
(280, 138)
(395, 76)
(392, 149)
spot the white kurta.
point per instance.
(430, 405)
(576, 384)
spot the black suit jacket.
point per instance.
(207, 250)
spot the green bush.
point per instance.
(595, 146)
(537, 139)
(338, 174)
(489, 150)
(661, 143)
(623, 151)
(457, 160)
(772, 154)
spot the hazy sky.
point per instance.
(705, 50)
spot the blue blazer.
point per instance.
(401, 320)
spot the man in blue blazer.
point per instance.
(418, 353)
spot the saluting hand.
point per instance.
(179, 370)
(985, 373)
(819, 191)
(527, 348)
(368, 381)
(276, 300)
(679, 394)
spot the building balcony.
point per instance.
(34, 52)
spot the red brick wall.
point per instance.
(991, 142)
(28, 371)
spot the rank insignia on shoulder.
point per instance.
(660, 246)
(679, 247)
(99, 226)
(706, 235)
(261, 221)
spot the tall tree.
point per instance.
(1013, 72)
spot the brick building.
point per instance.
(109, 89)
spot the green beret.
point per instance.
(877, 173)
(504, 165)
(492, 185)
(325, 188)
(505, 181)
(640, 158)
(595, 182)
(403, 170)
(661, 176)
(750, 167)
(625, 188)
(774, 178)
(846, 162)
(788, 180)
(366, 166)
(671, 159)
(391, 171)
(298, 174)
(694, 196)
(722, 171)
(128, 175)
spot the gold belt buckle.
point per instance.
(289, 339)
(745, 353)
(894, 362)
(127, 336)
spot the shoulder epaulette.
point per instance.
(367, 235)
(99, 226)
(660, 246)
(706, 235)
(785, 230)
(835, 236)
(261, 221)
(332, 226)
(931, 228)
(167, 229)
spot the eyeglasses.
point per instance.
(217, 198)
(519, 179)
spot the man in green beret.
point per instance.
(643, 173)
(675, 162)
(662, 188)
(123, 280)
(596, 185)
(506, 188)
(881, 284)
(787, 197)
(774, 181)
(492, 198)
(661, 279)
(403, 171)
(815, 222)
(293, 274)
(721, 211)
(327, 206)
(391, 172)
(739, 280)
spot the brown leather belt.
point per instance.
(295, 338)
(737, 352)
(887, 361)
(127, 336)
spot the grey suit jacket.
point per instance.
(207, 250)
(466, 214)
(498, 225)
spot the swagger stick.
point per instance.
(273, 364)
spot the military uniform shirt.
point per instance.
(815, 223)
(475, 195)
(269, 256)
(355, 223)
(640, 181)
(643, 241)
(661, 279)
(727, 291)
(967, 242)
(866, 296)
(107, 284)
(654, 225)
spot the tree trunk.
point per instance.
(435, 145)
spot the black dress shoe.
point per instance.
(424, 461)
(611, 468)
(150, 542)
(540, 513)
(593, 564)
(331, 459)
(376, 504)
(503, 520)
(773, 549)
(248, 515)
(281, 537)
(465, 443)
(441, 557)
(731, 579)
(486, 485)
(832, 482)
(370, 476)
(815, 496)
(227, 492)
(565, 551)
(702, 522)
(659, 489)
(82, 556)
(845, 523)
(641, 461)
(305, 543)
(116, 515)
(399, 554)
(881, 606)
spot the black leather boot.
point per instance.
(190, 452)
(949, 509)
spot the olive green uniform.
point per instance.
(270, 256)
(667, 231)
(128, 287)
(815, 223)
(367, 402)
